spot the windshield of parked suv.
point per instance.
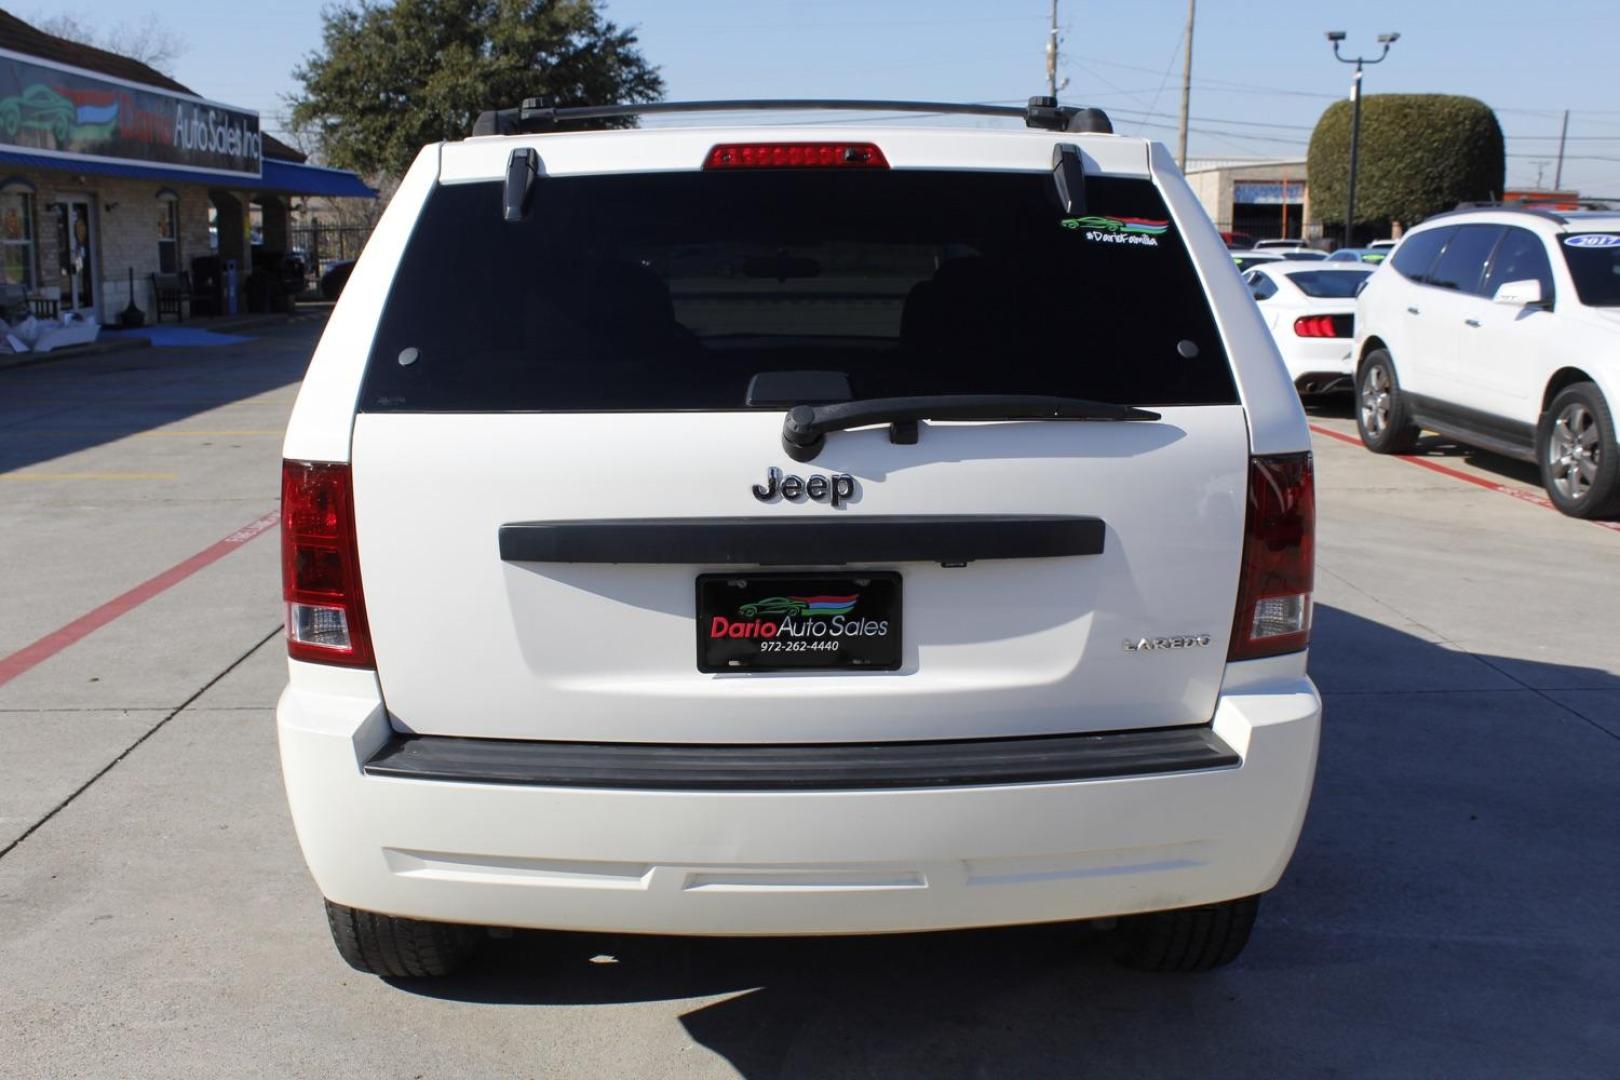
(670, 291)
(1329, 284)
(1594, 263)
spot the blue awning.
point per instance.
(291, 178)
(279, 177)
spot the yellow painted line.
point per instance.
(91, 476)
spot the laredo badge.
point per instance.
(1099, 229)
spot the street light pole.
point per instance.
(1386, 40)
(1355, 153)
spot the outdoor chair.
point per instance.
(170, 295)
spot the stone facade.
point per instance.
(126, 220)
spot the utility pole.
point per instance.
(1563, 133)
(1386, 40)
(1052, 56)
(1186, 88)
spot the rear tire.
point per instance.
(1575, 445)
(1381, 415)
(1188, 939)
(399, 948)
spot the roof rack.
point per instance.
(537, 115)
(1532, 206)
(1516, 206)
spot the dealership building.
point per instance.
(112, 173)
(1262, 199)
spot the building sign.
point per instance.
(60, 111)
(1268, 192)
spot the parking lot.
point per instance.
(1450, 911)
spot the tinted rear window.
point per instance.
(1594, 263)
(1329, 284)
(670, 291)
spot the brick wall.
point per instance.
(125, 213)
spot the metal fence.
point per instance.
(323, 245)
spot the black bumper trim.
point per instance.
(801, 541)
(805, 767)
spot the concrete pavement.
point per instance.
(1450, 911)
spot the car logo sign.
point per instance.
(835, 489)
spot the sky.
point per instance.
(1262, 72)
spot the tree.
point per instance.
(150, 41)
(389, 78)
(1420, 154)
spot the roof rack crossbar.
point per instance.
(535, 115)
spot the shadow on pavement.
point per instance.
(1343, 407)
(50, 410)
(1449, 912)
(1438, 446)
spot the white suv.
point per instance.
(796, 530)
(1500, 328)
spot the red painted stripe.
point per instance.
(54, 642)
(1534, 498)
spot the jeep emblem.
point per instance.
(836, 489)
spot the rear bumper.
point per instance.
(1317, 359)
(862, 860)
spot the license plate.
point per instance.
(791, 622)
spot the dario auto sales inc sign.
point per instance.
(60, 111)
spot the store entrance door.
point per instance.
(76, 248)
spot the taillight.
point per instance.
(797, 155)
(1279, 555)
(320, 567)
(1315, 326)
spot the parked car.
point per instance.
(1246, 259)
(335, 278)
(1281, 245)
(1301, 254)
(1238, 241)
(1367, 255)
(1500, 329)
(1311, 313)
(1382, 245)
(1029, 607)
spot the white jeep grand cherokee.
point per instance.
(796, 530)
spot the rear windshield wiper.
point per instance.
(805, 428)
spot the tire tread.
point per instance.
(1187, 939)
(398, 948)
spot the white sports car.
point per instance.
(1311, 310)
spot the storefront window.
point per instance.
(168, 236)
(17, 238)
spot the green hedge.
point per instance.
(1420, 154)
